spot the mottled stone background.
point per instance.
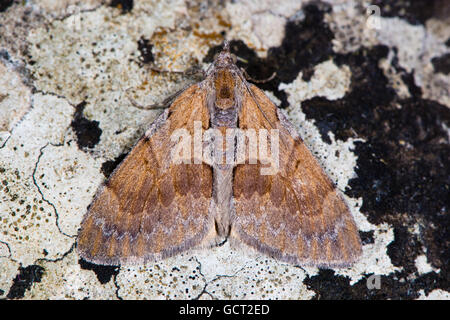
(369, 95)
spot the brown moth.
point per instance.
(153, 207)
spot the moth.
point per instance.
(153, 207)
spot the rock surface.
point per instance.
(369, 95)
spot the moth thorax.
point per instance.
(224, 85)
(224, 118)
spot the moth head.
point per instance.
(225, 58)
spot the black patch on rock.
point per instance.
(103, 273)
(404, 247)
(306, 43)
(109, 166)
(407, 77)
(5, 55)
(24, 280)
(368, 89)
(329, 286)
(414, 90)
(442, 64)
(366, 237)
(87, 131)
(5, 4)
(145, 48)
(125, 5)
(403, 174)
